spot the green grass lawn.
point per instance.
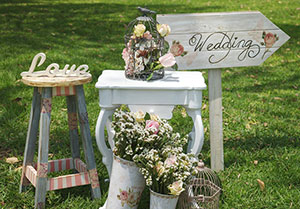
(261, 104)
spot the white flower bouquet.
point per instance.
(135, 132)
(167, 168)
(151, 143)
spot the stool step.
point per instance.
(65, 181)
(60, 165)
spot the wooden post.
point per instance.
(215, 119)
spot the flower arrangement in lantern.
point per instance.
(145, 53)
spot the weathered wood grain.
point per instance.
(42, 164)
(56, 81)
(87, 141)
(33, 128)
(219, 40)
(215, 119)
(73, 126)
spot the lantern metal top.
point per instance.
(145, 14)
(146, 18)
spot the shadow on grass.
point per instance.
(94, 33)
(269, 79)
(268, 75)
(40, 27)
(67, 33)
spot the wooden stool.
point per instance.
(44, 89)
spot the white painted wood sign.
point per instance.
(220, 40)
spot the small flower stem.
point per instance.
(265, 53)
(157, 67)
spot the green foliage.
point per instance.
(261, 104)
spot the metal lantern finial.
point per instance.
(202, 190)
(143, 46)
(146, 11)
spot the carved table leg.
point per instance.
(196, 143)
(110, 132)
(107, 155)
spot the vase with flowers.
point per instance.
(166, 168)
(134, 133)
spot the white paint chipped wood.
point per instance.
(219, 40)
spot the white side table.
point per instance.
(159, 97)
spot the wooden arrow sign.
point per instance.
(219, 40)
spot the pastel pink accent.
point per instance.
(60, 165)
(80, 166)
(68, 164)
(58, 90)
(67, 91)
(51, 184)
(86, 178)
(51, 165)
(59, 183)
(65, 181)
(94, 178)
(152, 124)
(69, 181)
(168, 60)
(31, 174)
(77, 180)
(42, 170)
(63, 91)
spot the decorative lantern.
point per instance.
(202, 191)
(145, 47)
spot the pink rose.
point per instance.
(125, 55)
(153, 125)
(269, 40)
(170, 160)
(168, 60)
(177, 49)
(123, 195)
(147, 35)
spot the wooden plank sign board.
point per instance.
(220, 40)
